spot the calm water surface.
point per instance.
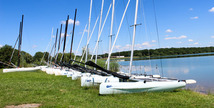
(199, 68)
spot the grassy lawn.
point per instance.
(60, 91)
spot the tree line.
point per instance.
(27, 59)
(162, 52)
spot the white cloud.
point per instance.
(117, 46)
(136, 46)
(168, 31)
(71, 21)
(180, 37)
(212, 36)
(191, 9)
(63, 34)
(124, 48)
(140, 46)
(34, 46)
(127, 47)
(196, 43)
(211, 10)
(190, 40)
(85, 30)
(147, 45)
(153, 40)
(63, 22)
(1, 46)
(196, 17)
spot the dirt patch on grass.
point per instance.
(24, 106)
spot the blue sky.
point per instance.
(181, 23)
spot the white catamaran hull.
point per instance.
(59, 72)
(76, 75)
(43, 68)
(49, 70)
(71, 72)
(134, 87)
(96, 80)
(20, 69)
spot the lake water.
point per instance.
(200, 69)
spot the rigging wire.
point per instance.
(85, 50)
(146, 32)
(80, 42)
(109, 55)
(50, 45)
(94, 10)
(127, 22)
(13, 49)
(97, 42)
(156, 24)
(46, 50)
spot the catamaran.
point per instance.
(147, 84)
(87, 80)
(17, 68)
(97, 79)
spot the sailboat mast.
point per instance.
(56, 41)
(101, 31)
(19, 44)
(59, 43)
(20, 40)
(60, 37)
(133, 39)
(54, 45)
(118, 31)
(89, 21)
(73, 32)
(65, 35)
(89, 39)
(101, 13)
(110, 39)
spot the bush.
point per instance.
(114, 66)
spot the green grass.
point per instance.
(60, 91)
